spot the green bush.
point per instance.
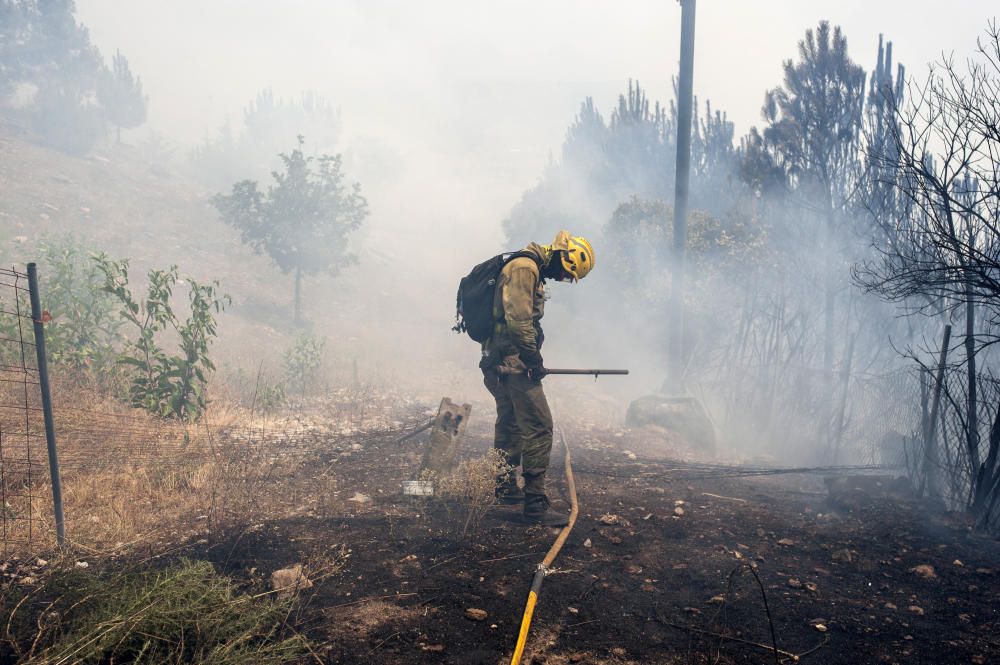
(85, 328)
(302, 363)
(172, 386)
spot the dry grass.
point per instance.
(468, 492)
(129, 478)
(132, 480)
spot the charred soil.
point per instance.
(659, 569)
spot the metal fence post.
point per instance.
(43, 381)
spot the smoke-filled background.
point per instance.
(473, 128)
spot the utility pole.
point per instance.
(675, 357)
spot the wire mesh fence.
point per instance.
(23, 479)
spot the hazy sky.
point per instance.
(481, 92)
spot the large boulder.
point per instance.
(683, 417)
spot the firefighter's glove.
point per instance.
(537, 373)
(531, 358)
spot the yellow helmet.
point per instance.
(578, 257)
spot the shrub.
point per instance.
(302, 363)
(185, 613)
(85, 328)
(468, 492)
(172, 386)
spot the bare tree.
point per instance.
(939, 252)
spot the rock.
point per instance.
(82, 564)
(924, 570)
(683, 417)
(433, 648)
(287, 581)
(716, 600)
(794, 583)
(678, 511)
(916, 609)
(360, 498)
(475, 614)
(613, 520)
(786, 542)
(821, 627)
(811, 587)
(890, 606)
(588, 543)
(842, 556)
(857, 491)
(958, 562)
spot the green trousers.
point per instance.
(523, 427)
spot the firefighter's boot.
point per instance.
(536, 503)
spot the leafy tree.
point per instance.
(303, 219)
(121, 95)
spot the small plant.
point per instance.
(302, 363)
(257, 391)
(172, 386)
(469, 491)
(270, 397)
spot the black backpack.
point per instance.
(474, 304)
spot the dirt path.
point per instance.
(637, 581)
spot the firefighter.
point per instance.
(524, 423)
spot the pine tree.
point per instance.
(121, 95)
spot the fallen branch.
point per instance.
(767, 647)
(719, 496)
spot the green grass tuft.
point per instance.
(187, 613)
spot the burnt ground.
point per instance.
(636, 582)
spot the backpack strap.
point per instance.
(522, 254)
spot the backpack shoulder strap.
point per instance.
(521, 254)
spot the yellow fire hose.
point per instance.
(543, 568)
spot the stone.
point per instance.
(475, 614)
(924, 570)
(682, 416)
(287, 581)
